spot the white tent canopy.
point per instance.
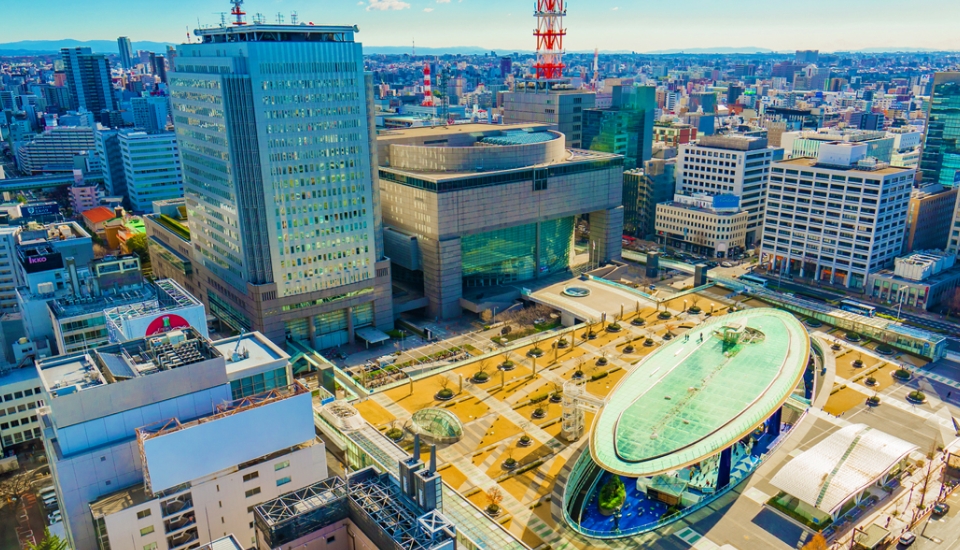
(842, 465)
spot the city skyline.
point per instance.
(610, 25)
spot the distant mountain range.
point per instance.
(31, 47)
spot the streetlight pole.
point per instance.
(900, 307)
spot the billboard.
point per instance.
(726, 201)
(36, 263)
(159, 322)
(39, 209)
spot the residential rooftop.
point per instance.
(811, 162)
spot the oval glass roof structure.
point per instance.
(692, 398)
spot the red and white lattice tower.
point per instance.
(427, 92)
(238, 12)
(549, 33)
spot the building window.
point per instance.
(281, 465)
(143, 514)
(283, 481)
(251, 475)
(151, 546)
(146, 530)
(251, 492)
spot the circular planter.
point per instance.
(492, 511)
(442, 395)
(507, 365)
(916, 397)
(694, 310)
(395, 436)
(903, 376)
(628, 349)
(852, 337)
(637, 322)
(482, 380)
(602, 361)
(556, 398)
(665, 315)
(613, 328)
(577, 375)
(562, 344)
(871, 381)
(535, 352)
(648, 343)
(835, 347)
(538, 414)
(811, 322)
(508, 465)
(873, 401)
(592, 336)
(884, 349)
(858, 364)
(525, 442)
(668, 337)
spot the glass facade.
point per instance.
(940, 162)
(513, 254)
(258, 383)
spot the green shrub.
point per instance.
(445, 393)
(612, 495)
(395, 434)
(598, 376)
(917, 395)
(481, 377)
(902, 374)
(665, 315)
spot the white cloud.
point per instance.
(387, 5)
(614, 9)
(443, 1)
(360, 3)
(428, 10)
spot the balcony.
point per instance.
(182, 522)
(177, 505)
(183, 539)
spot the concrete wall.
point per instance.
(470, 158)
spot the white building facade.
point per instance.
(836, 218)
(151, 166)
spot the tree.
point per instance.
(49, 542)
(816, 543)
(486, 315)
(494, 498)
(15, 486)
(137, 244)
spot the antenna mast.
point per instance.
(550, 33)
(238, 12)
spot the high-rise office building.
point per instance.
(150, 113)
(126, 52)
(729, 165)
(151, 166)
(940, 159)
(549, 102)
(274, 127)
(626, 128)
(54, 149)
(88, 79)
(111, 163)
(643, 189)
(835, 218)
(929, 217)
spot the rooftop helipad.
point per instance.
(692, 398)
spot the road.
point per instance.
(941, 533)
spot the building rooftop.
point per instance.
(66, 374)
(249, 350)
(837, 468)
(99, 214)
(72, 305)
(810, 162)
(691, 399)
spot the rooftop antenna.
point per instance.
(238, 12)
(188, 34)
(549, 33)
(279, 18)
(414, 54)
(294, 18)
(259, 19)
(223, 17)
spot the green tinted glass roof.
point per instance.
(690, 400)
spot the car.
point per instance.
(726, 264)
(54, 516)
(941, 509)
(653, 287)
(907, 538)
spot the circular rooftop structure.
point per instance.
(439, 425)
(699, 394)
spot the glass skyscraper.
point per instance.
(272, 122)
(940, 162)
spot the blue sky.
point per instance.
(638, 25)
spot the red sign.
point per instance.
(166, 323)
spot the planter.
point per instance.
(578, 375)
(835, 347)
(853, 337)
(884, 349)
(613, 328)
(538, 414)
(858, 364)
(811, 322)
(562, 343)
(591, 336)
(525, 441)
(493, 510)
(638, 322)
(694, 310)
(628, 349)
(535, 352)
(873, 401)
(648, 343)
(507, 365)
(665, 315)
(916, 396)
(444, 395)
(509, 464)
(901, 374)
(395, 434)
(480, 378)
(668, 336)
(556, 398)
(602, 361)
(871, 381)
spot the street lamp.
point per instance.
(900, 307)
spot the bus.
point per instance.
(858, 308)
(754, 280)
